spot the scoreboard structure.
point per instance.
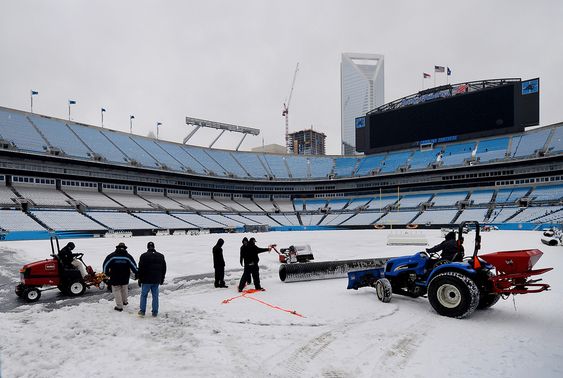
(450, 113)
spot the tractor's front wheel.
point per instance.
(453, 294)
(76, 288)
(383, 290)
(32, 294)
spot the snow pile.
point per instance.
(342, 333)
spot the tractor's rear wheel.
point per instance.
(453, 294)
(383, 290)
(32, 294)
(76, 288)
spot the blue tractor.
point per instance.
(454, 288)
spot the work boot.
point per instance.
(118, 309)
(141, 313)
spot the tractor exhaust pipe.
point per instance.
(327, 269)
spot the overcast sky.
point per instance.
(233, 61)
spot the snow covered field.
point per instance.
(343, 333)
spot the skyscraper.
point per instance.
(361, 90)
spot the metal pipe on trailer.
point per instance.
(326, 269)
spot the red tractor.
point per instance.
(50, 274)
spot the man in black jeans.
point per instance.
(251, 259)
(219, 264)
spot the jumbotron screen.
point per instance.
(492, 111)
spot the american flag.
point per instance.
(425, 75)
(439, 69)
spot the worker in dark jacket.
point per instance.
(250, 260)
(118, 265)
(67, 259)
(451, 249)
(219, 264)
(152, 270)
(242, 247)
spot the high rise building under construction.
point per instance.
(307, 142)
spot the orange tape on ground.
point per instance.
(252, 291)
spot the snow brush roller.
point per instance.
(327, 269)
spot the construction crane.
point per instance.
(285, 111)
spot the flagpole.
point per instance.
(69, 110)
(102, 112)
(31, 101)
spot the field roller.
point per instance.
(326, 270)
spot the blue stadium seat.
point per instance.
(15, 128)
(98, 143)
(204, 159)
(252, 164)
(182, 156)
(155, 149)
(369, 164)
(276, 163)
(321, 167)
(344, 167)
(547, 193)
(59, 135)
(510, 194)
(130, 148)
(492, 149)
(422, 159)
(225, 159)
(456, 154)
(528, 143)
(297, 166)
(556, 142)
(394, 161)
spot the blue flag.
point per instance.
(33, 93)
(132, 117)
(449, 71)
(71, 102)
(103, 110)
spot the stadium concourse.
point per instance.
(78, 180)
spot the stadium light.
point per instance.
(199, 123)
(131, 118)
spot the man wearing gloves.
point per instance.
(118, 266)
(251, 259)
(152, 270)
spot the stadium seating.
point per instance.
(529, 143)
(266, 205)
(481, 196)
(337, 204)
(377, 203)
(162, 156)
(59, 135)
(284, 204)
(98, 143)
(119, 221)
(286, 219)
(530, 214)
(448, 198)
(92, 199)
(413, 200)
(436, 217)
(356, 203)
(398, 217)
(229, 222)
(314, 204)
(393, 161)
(502, 214)
(160, 200)
(311, 219)
(242, 219)
(492, 149)
(226, 161)
(547, 193)
(163, 221)
(335, 219)
(556, 141)
(362, 219)
(15, 128)
(262, 219)
(252, 164)
(472, 214)
(321, 167)
(229, 204)
(181, 155)
(198, 221)
(210, 203)
(276, 165)
(6, 196)
(66, 220)
(45, 195)
(129, 200)
(200, 155)
(510, 195)
(457, 154)
(251, 206)
(369, 165)
(131, 149)
(15, 220)
(298, 166)
(422, 159)
(344, 166)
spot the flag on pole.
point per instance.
(33, 93)
(103, 110)
(158, 124)
(71, 102)
(132, 117)
(449, 71)
(439, 69)
(426, 75)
